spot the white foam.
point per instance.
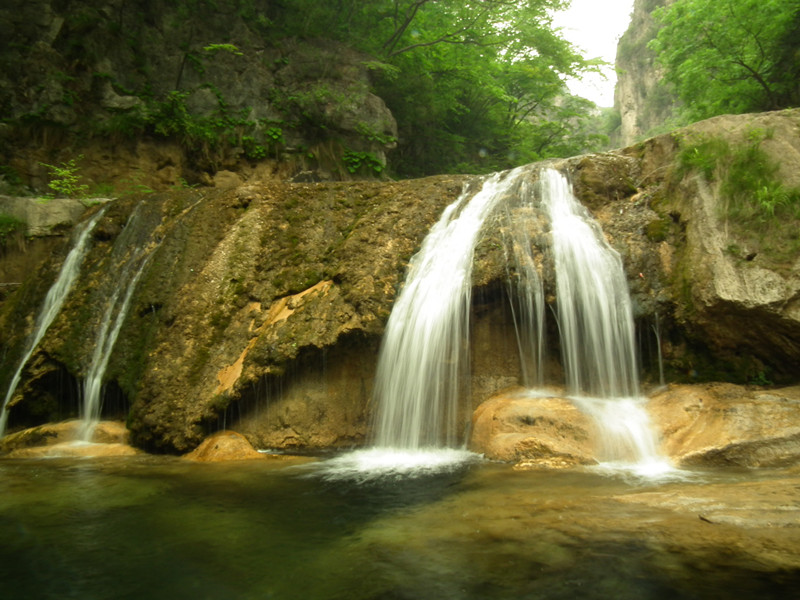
(391, 463)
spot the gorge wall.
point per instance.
(645, 105)
(260, 308)
(153, 95)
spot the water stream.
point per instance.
(53, 301)
(133, 249)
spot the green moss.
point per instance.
(9, 226)
(657, 230)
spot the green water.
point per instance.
(156, 528)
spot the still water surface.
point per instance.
(162, 528)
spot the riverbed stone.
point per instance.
(224, 446)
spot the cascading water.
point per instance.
(594, 307)
(422, 366)
(423, 356)
(52, 305)
(132, 246)
(526, 292)
(595, 322)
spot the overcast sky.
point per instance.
(595, 27)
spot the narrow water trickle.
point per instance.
(53, 301)
(135, 253)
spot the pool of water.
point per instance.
(163, 528)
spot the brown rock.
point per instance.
(60, 434)
(535, 431)
(725, 424)
(222, 446)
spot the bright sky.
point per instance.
(595, 26)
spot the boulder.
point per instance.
(534, 431)
(224, 446)
(728, 425)
(110, 438)
(51, 434)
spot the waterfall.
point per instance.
(595, 321)
(423, 359)
(133, 254)
(526, 292)
(52, 305)
(594, 308)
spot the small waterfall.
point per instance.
(526, 292)
(52, 305)
(595, 320)
(421, 366)
(132, 244)
(594, 307)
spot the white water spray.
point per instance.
(422, 364)
(52, 305)
(595, 321)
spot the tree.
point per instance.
(470, 83)
(730, 56)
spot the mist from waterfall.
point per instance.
(51, 306)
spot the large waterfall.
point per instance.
(52, 305)
(420, 395)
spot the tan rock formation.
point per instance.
(224, 446)
(728, 425)
(534, 431)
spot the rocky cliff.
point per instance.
(644, 104)
(260, 308)
(154, 95)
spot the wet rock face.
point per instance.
(534, 432)
(261, 307)
(728, 425)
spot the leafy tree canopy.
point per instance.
(475, 85)
(731, 56)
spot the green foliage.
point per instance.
(747, 176)
(474, 86)
(64, 179)
(730, 56)
(9, 225)
(230, 48)
(356, 162)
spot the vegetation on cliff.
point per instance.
(449, 86)
(730, 57)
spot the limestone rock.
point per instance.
(224, 446)
(110, 438)
(44, 217)
(534, 431)
(728, 425)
